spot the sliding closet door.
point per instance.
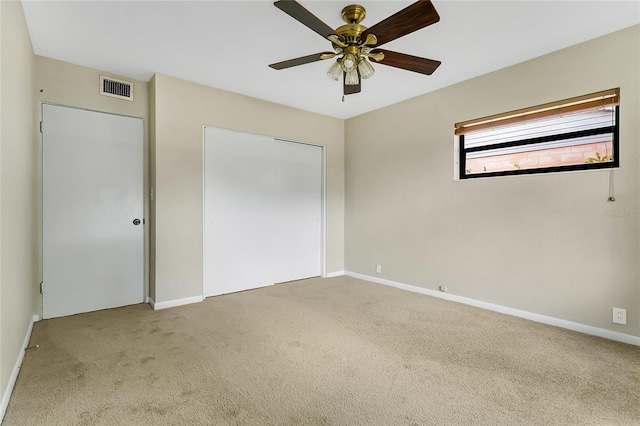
(298, 197)
(263, 211)
(239, 214)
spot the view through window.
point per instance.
(575, 134)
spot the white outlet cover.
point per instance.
(620, 316)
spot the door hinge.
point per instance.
(41, 127)
(41, 287)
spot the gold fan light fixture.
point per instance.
(353, 53)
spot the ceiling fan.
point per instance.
(353, 43)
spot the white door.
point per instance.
(298, 197)
(263, 211)
(93, 246)
(238, 212)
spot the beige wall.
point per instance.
(539, 243)
(76, 86)
(181, 110)
(2, 362)
(151, 224)
(18, 201)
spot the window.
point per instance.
(575, 134)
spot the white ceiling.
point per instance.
(228, 44)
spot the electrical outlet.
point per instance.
(443, 288)
(619, 316)
(378, 269)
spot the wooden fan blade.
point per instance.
(412, 18)
(350, 90)
(300, 61)
(302, 15)
(408, 62)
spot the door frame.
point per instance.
(323, 200)
(145, 195)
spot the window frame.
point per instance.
(613, 129)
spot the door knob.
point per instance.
(136, 221)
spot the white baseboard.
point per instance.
(16, 368)
(335, 274)
(570, 325)
(173, 303)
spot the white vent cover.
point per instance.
(116, 88)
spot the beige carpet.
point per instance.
(321, 352)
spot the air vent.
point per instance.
(116, 88)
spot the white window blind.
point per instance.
(563, 135)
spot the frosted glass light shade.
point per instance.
(335, 71)
(365, 68)
(349, 62)
(351, 79)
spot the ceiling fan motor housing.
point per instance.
(351, 32)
